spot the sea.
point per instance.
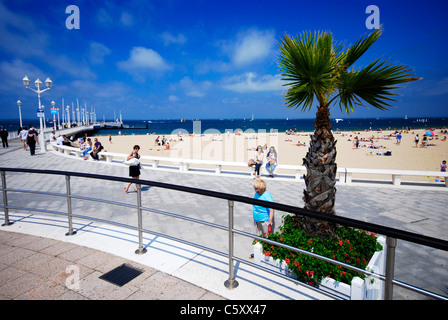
(140, 127)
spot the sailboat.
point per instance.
(406, 117)
(252, 117)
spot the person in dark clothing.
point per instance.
(31, 140)
(4, 135)
(97, 147)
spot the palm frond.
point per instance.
(372, 84)
(307, 64)
(315, 68)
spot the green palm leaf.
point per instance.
(314, 68)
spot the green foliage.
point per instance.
(317, 68)
(354, 247)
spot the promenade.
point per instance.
(35, 253)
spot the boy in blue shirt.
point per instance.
(263, 217)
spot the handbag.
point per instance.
(251, 162)
(132, 162)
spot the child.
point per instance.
(443, 166)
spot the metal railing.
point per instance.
(392, 235)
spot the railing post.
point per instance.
(391, 244)
(231, 283)
(5, 201)
(140, 249)
(69, 207)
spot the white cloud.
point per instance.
(252, 46)
(97, 52)
(143, 59)
(126, 19)
(194, 89)
(250, 82)
(173, 98)
(247, 48)
(168, 38)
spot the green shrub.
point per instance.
(354, 247)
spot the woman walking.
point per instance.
(134, 170)
(31, 140)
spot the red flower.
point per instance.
(287, 261)
(267, 253)
(281, 239)
(340, 243)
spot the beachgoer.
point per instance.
(258, 161)
(110, 138)
(4, 135)
(264, 222)
(416, 139)
(271, 164)
(87, 148)
(134, 171)
(443, 166)
(356, 142)
(97, 147)
(399, 138)
(23, 134)
(424, 142)
(31, 140)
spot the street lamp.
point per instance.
(68, 116)
(54, 111)
(38, 85)
(19, 103)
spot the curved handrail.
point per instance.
(376, 228)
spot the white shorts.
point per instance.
(261, 228)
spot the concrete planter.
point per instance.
(368, 289)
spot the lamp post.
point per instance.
(19, 103)
(38, 85)
(54, 111)
(69, 124)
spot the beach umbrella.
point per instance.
(429, 133)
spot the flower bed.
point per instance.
(357, 248)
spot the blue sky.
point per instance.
(172, 59)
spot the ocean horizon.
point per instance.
(172, 126)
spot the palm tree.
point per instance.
(316, 68)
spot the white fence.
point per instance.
(345, 175)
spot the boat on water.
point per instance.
(337, 120)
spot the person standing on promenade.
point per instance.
(134, 170)
(4, 135)
(23, 134)
(264, 222)
(258, 161)
(31, 140)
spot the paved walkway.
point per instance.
(172, 270)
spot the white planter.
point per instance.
(368, 289)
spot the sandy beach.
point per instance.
(291, 148)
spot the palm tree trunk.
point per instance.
(320, 179)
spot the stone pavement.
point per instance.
(414, 208)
